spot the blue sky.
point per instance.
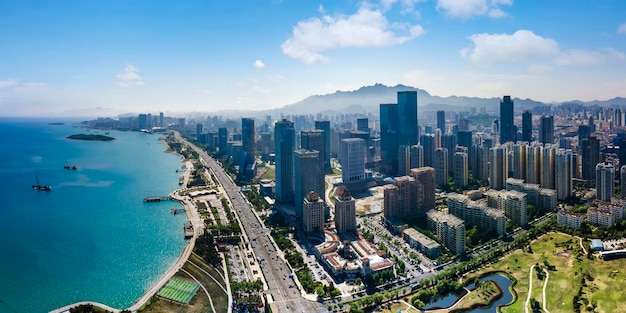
(177, 56)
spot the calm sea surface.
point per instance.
(92, 237)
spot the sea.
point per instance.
(92, 238)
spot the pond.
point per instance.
(507, 295)
(448, 300)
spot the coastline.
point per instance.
(182, 259)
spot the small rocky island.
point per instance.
(95, 137)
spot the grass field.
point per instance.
(270, 173)
(398, 307)
(482, 294)
(603, 286)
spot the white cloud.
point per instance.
(9, 82)
(539, 69)
(465, 9)
(422, 79)
(274, 78)
(496, 87)
(584, 57)
(621, 29)
(130, 78)
(366, 28)
(523, 45)
(259, 65)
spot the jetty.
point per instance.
(156, 199)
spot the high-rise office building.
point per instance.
(425, 178)
(248, 139)
(161, 119)
(590, 158)
(325, 126)
(527, 126)
(345, 211)
(498, 169)
(284, 146)
(546, 129)
(353, 155)
(362, 124)
(389, 137)
(563, 173)
(313, 214)
(507, 128)
(448, 141)
(142, 121)
(417, 156)
(583, 132)
(441, 121)
(307, 177)
(313, 139)
(199, 135)
(407, 118)
(222, 140)
(441, 166)
(605, 181)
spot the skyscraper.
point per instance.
(460, 171)
(546, 129)
(591, 157)
(404, 160)
(362, 124)
(622, 186)
(313, 139)
(407, 117)
(325, 126)
(605, 181)
(307, 177)
(425, 178)
(248, 138)
(441, 121)
(222, 140)
(583, 132)
(353, 156)
(498, 168)
(417, 156)
(564, 171)
(428, 143)
(527, 126)
(284, 146)
(507, 128)
(547, 166)
(313, 214)
(389, 137)
(441, 166)
(161, 119)
(345, 210)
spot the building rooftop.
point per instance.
(449, 219)
(421, 238)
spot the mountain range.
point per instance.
(368, 99)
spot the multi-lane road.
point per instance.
(281, 287)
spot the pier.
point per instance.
(156, 199)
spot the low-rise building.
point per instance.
(422, 243)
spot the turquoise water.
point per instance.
(92, 237)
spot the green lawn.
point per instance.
(270, 173)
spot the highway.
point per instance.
(282, 289)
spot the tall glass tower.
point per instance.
(507, 128)
(284, 146)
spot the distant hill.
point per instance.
(369, 98)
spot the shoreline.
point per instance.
(182, 259)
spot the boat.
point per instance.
(41, 187)
(69, 167)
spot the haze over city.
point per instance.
(206, 56)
